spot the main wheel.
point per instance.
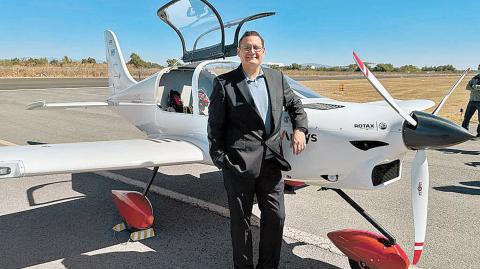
(357, 265)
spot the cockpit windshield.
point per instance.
(203, 83)
(191, 18)
(212, 70)
(301, 90)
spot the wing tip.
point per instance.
(36, 105)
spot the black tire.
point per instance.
(357, 265)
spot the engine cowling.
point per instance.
(433, 132)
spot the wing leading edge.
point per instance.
(44, 105)
(21, 161)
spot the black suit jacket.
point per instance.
(236, 131)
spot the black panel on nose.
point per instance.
(433, 132)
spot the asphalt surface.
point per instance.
(64, 221)
(35, 83)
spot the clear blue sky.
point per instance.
(421, 32)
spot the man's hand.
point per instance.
(298, 141)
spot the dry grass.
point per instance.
(70, 70)
(431, 88)
(53, 71)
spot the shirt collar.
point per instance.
(260, 75)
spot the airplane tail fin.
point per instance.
(118, 76)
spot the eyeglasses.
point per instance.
(249, 48)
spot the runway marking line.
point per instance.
(289, 232)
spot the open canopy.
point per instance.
(201, 29)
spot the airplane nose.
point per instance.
(433, 132)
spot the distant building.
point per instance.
(313, 66)
(275, 64)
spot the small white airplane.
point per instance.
(350, 145)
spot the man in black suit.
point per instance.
(245, 115)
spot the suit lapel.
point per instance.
(243, 87)
(272, 89)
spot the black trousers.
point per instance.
(469, 111)
(268, 188)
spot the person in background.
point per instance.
(474, 103)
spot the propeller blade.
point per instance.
(382, 91)
(420, 185)
(440, 105)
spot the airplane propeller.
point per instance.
(440, 105)
(420, 186)
(382, 91)
(423, 131)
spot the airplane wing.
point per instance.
(21, 161)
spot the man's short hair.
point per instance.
(251, 33)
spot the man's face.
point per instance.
(251, 51)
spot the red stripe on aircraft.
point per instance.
(358, 61)
(416, 256)
(419, 244)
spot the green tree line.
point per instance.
(381, 67)
(138, 62)
(44, 61)
(135, 60)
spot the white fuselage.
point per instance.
(330, 158)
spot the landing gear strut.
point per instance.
(366, 249)
(147, 188)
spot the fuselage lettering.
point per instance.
(309, 137)
(365, 126)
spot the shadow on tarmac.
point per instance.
(466, 189)
(459, 151)
(473, 164)
(471, 183)
(186, 237)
